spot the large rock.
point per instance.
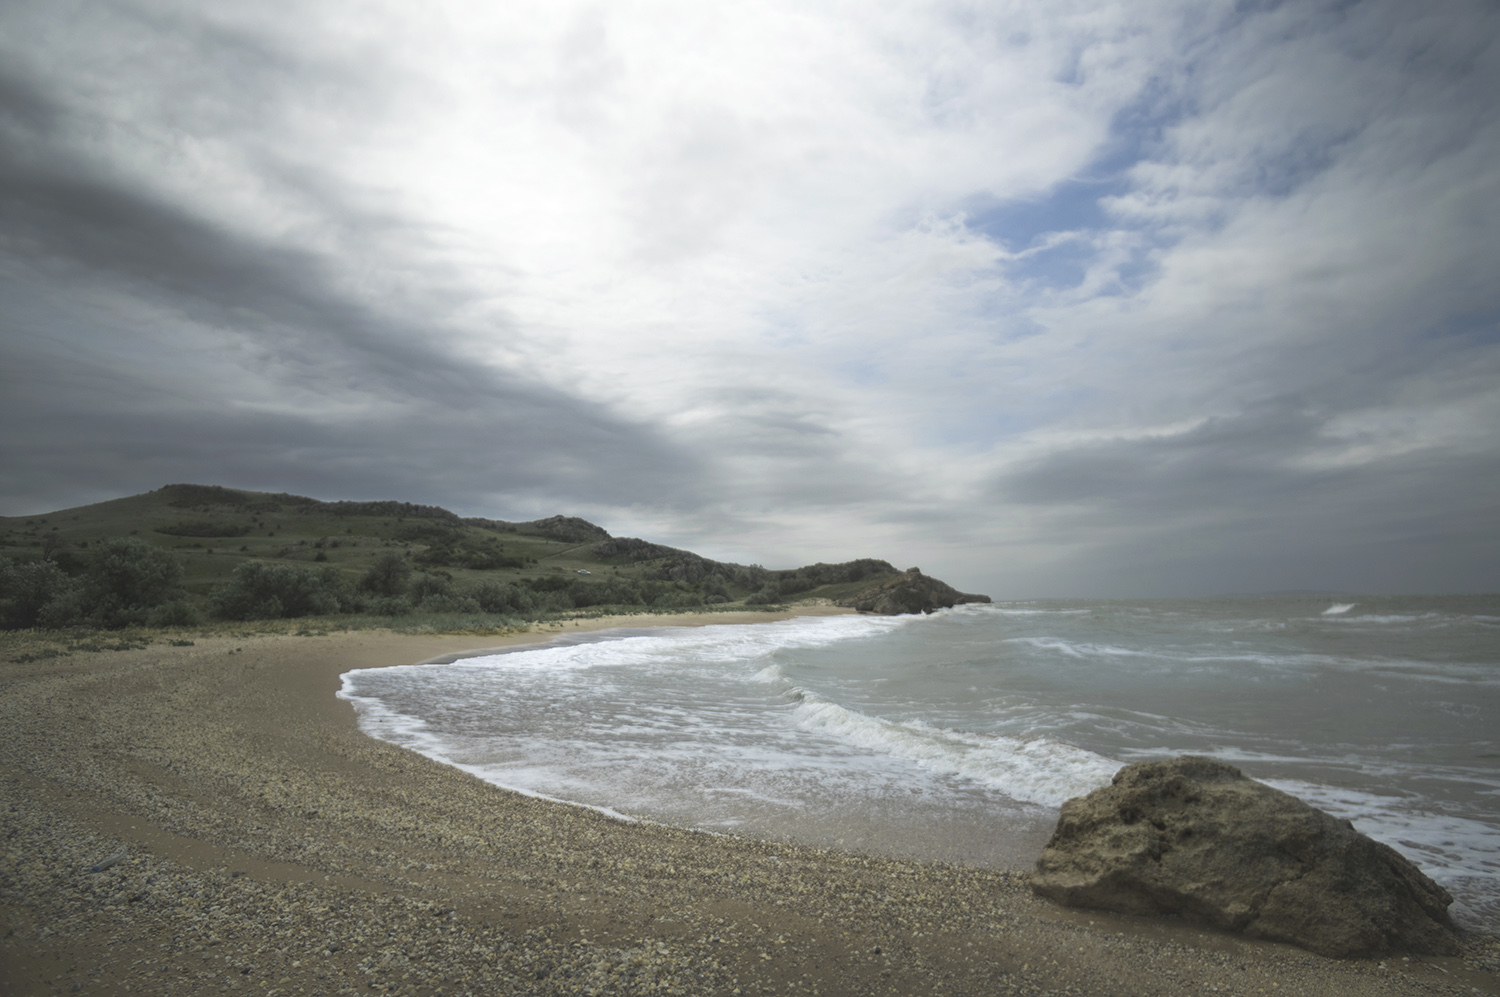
(1194, 837)
(909, 592)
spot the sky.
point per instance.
(1048, 299)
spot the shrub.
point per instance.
(448, 602)
(426, 586)
(389, 606)
(613, 592)
(123, 584)
(179, 613)
(127, 581)
(678, 600)
(387, 576)
(204, 529)
(71, 609)
(263, 591)
(504, 598)
(768, 595)
(26, 590)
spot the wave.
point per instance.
(1004, 610)
(380, 721)
(650, 647)
(1036, 770)
(1444, 672)
(1087, 649)
(1339, 608)
(1446, 846)
(737, 726)
(1393, 618)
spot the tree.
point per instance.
(388, 576)
(127, 580)
(27, 589)
(124, 583)
(134, 572)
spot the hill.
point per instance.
(185, 552)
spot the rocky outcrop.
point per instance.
(1194, 837)
(908, 592)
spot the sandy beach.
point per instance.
(250, 839)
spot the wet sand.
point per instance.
(272, 848)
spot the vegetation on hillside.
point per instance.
(185, 554)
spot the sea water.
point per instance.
(957, 736)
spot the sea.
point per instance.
(956, 736)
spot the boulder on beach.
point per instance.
(909, 592)
(1195, 837)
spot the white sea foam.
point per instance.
(1032, 771)
(1339, 608)
(1393, 618)
(1454, 850)
(709, 644)
(1166, 660)
(985, 714)
(416, 734)
(1006, 610)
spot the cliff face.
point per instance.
(909, 592)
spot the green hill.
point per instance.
(207, 551)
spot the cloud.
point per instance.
(145, 343)
(1076, 297)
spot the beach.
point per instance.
(271, 847)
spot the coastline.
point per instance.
(271, 847)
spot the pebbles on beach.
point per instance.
(270, 848)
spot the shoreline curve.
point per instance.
(272, 847)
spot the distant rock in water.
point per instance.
(909, 592)
(1195, 837)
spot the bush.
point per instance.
(127, 581)
(767, 596)
(503, 598)
(71, 609)
(204, 529)
(678, 600)
(179, 613)
(123, 584)
(426, 586)
(263, 591)
(447, 602)
(387, 576)
(613, 592)
(389, 606)
(28, 589)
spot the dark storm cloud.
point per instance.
(1256, 502)
(439, 427)
(22, 108)
(503, 446)
(1168, 475)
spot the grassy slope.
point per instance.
(283, 530)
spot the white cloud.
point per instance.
(758, 231)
